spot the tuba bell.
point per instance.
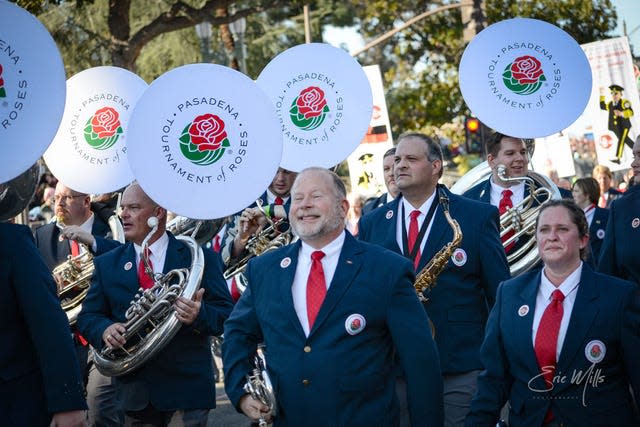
(16, 194)
(151, 322)
(520, 220)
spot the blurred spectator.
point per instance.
(603, 175)
(355, 212)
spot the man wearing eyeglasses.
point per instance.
(75, 223)
(620, 112)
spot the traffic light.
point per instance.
(474, 135)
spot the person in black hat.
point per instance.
(620, 112)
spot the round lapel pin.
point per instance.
(355, 323)
(635, 223)
(128, 265)
(595, 351)
(389, 214)
(600, 233)
(523, 310)
(285, 262)
(459, 257)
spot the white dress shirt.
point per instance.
(589, 211)
(299, 287)
(569, 288)
(407, 208)
(158, 253)
(496, 193)
(88, 227)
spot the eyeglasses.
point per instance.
(67, 198)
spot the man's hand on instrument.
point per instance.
(254, 409)
(113, 336)
(74, 232)
(187, 310)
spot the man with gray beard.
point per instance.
(331, 312)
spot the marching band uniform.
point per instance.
(465, 291)
(618, 255)
(376, 203)
(39, 372)
(482, 193)
(597, 354)
(597, 220)
(180, 376)
(340, 372)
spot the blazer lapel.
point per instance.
(61, 248)
(348, 266)
(390, 226)
(485, 193)
(285, 276)
(523, 327)
(583, 313)
(440, 230)
(176, 255)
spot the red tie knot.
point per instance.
(317, 255)
(557, 295)
(506, 194)
(278, 201)
(415, 214)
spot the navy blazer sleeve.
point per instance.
(416, 350)
(43, 322)
(607, 262)
(494, 267)
(631, 340)
(242, 335)
(95, 315)
(494, 383)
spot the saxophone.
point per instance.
(259, 385)
(427, 277)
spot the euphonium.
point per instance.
(259, 385)
(151, 323)
(520, 220)
(73, 277)
(268, 239)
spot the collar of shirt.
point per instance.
(408, 208)
(271, 198)
(496, 193)
(389, 198)
(299, 286)
(88, 224)
(158, 252)
(543, 298)
(589, 211)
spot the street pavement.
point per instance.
(225, 414)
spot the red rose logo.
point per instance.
(207, 132)
(2, 92)
(526, 70)
(595, 350)
(311, 102)
(105, 122)
(355, 324)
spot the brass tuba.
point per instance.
(259, 385)
(520, 219)
(151, 323)
(268, 239)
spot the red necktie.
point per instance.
(505, 205)
(235, 292)
(603, 202)
(278, 201)
(144, 280)
(316, 287)
(75, 248)
(413, 236)
(216, 244)
(546, 341)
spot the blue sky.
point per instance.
(629, 11)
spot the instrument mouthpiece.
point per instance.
(152, 221)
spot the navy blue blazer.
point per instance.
(337, 376)
(180, 376)
(39, 373)
(373, 204)
(613, 194)
(55, 251)
(619, 252)
(460, 303)
(597, 234)
(482, 192)
(585, 392)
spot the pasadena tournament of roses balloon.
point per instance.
(323, 101)
(525, 78)
(204, 141)
(89, 152)
(32, 90)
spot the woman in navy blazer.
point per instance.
(586, 193)
(596, 351)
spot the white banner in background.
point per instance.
(553, 153)
(365, 163)
(611, 64)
